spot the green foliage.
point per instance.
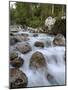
(34, 14)
(60, 27)
(12, 16)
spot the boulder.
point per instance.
(21, 38)
(18, 79)
(13, 40)
(24, 48)
(59, 40)
(39, 44)
(37, 60)
(49, 22)
(17, 62)
(13, 55)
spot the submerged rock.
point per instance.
(35, 35)
(24, 34)
(17, 62)
(37, 60)
(59, 40)
(48, 43)
(18, 79)
(39, 44)
(51, 79)
(24, 48)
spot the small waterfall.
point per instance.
(54, 56)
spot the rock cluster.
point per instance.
(18, 79)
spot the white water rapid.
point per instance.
(54, 56)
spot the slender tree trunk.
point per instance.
(52, 9)
(62, 10)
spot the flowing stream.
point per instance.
(54, 56)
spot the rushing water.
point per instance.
(54, 56)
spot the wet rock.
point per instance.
(51, 79)
(13, 55)
(37, 60)
(11, 34)
(21, 38)
(59, 40)
(24, 48)
(18, 79)
(13, 40)
(35, 35)
(25, 34)
(39, 44)
(17, 62)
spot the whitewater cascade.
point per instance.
(54, 56)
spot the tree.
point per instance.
(34, 14)
(12, 16)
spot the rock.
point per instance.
(59, 40)
(17, 62)
(49, 22)
(37, 60)
(25, 34)
(13, 40)
(51, 79)
(39, 44)
(24, 48)
(11, 34)
(21, 38)
(35, 35)
(59, 27)
(13, 55)
(18, 79)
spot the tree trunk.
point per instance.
(52, 9)
(62, 10)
